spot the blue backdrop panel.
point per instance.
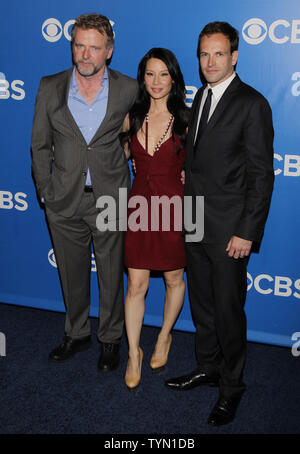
(35, 39)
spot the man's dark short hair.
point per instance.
(97, 22)
(220, 27)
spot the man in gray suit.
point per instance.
(76, 158)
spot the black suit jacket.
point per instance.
(60, 154)
(232, 166)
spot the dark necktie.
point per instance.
(204, 116)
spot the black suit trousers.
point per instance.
(217, 290)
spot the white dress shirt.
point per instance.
(217, 92)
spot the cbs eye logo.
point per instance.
(52, 29)
(254, 31)
(280, 31)
(52, 260)
(249, 281)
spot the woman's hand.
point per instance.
(133, 165)
(125, 128)
(182, 177)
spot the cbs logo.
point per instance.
(8, 201)
(52, 260)
(190, 94)
(255, 31)
(290, 165)
(278, 285)
(52, 29)
(12, 89)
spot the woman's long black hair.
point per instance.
(175, 102)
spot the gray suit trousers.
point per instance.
(72, 239)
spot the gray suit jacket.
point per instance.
(60, 154)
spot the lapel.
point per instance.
(62, 88)
(222, 105)
(113, 96)
(113, 100)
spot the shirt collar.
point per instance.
(219, 89)
(74, 84)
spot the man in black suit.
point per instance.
(230, 163)
(77, 158)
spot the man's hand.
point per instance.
(238, 247)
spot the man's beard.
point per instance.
(87, 72)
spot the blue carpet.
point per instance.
(38, 397)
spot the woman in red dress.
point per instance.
(154, 133)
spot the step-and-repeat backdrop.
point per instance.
(35, 41)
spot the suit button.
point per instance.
(89, 148)
(84, 174)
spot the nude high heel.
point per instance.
(157, 363)
(132, 382)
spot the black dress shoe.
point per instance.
(68, 348)
(196, 378)
(224, 410)
(109, 358)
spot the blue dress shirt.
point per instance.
(88, 116)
